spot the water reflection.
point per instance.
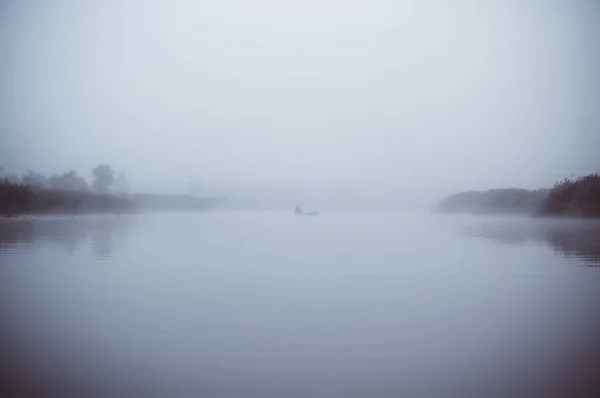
(575, 239)
(100, 234)
(259, 305)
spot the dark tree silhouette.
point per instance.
(575, 197)
(103, 178)
(34, 179)
(69, 181)
(12, 178)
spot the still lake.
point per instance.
(266, 304)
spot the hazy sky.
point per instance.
(398, 96)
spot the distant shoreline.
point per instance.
(21, 200)
(578, 198)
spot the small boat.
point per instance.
(299, 212)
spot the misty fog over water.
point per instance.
(403, 101)
(152, 154)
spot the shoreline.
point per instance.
(20, 200)
(574, 199)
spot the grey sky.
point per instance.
(396, 96)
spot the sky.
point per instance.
(394, 99)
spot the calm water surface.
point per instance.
(272, 305)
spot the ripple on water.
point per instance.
(98, 235)
(577, 240)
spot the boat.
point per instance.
(299, 212)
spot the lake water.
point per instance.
(273, 305)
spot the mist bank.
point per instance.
(568, 198)
(153, 202)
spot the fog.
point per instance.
(382, 100)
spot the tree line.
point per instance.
(578, 197)
(104, 180)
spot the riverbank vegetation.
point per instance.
(579, 197)
(69, 193)
(19, 198)
(66, 193)
(568, 198)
